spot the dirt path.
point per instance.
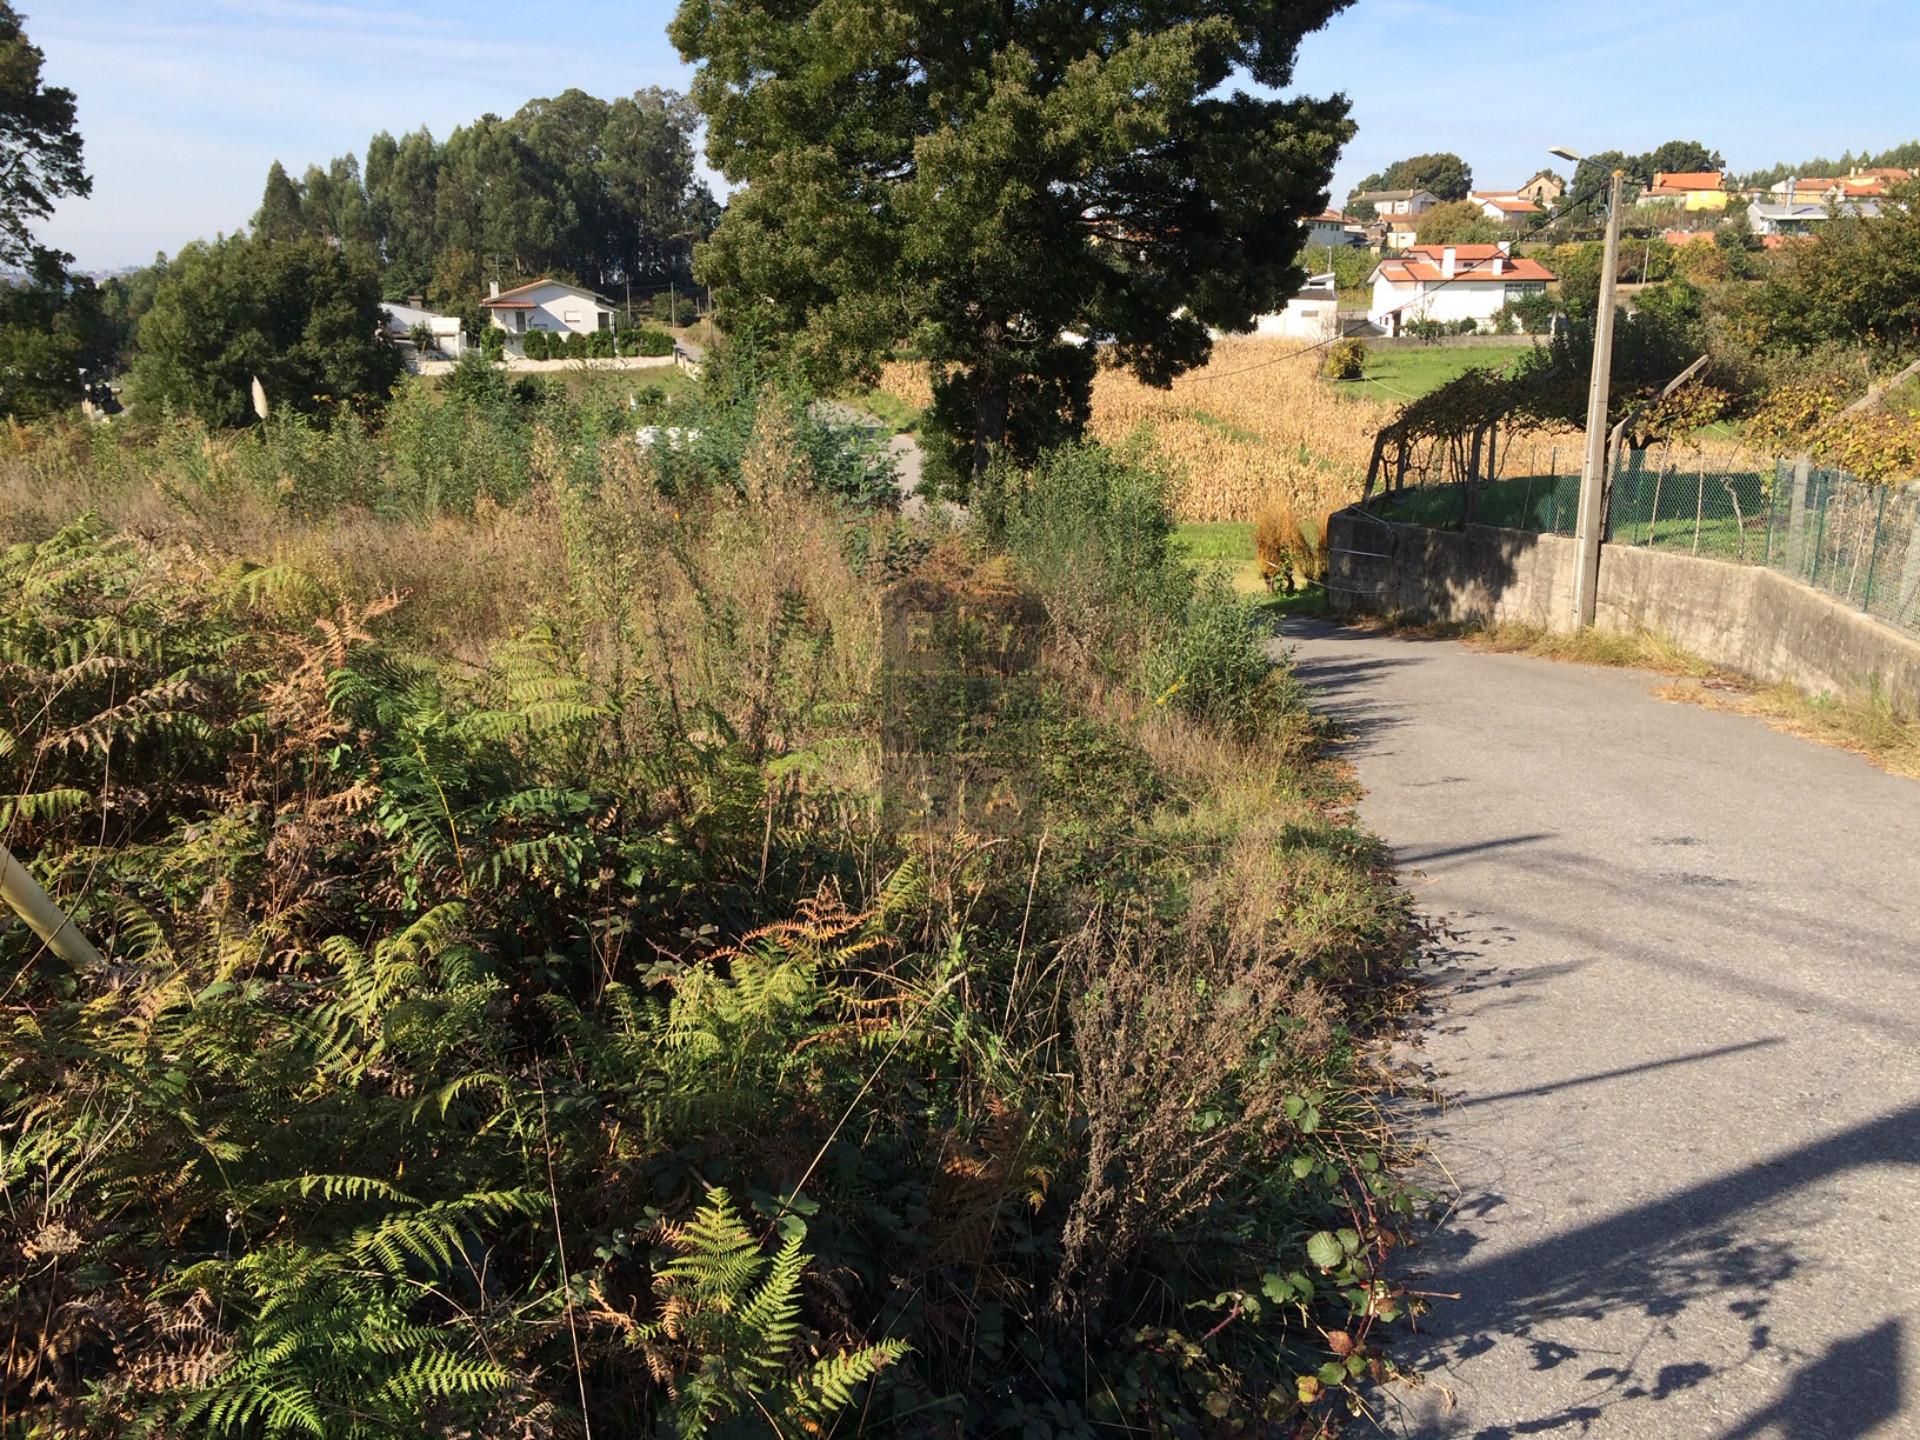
(1679, 1020)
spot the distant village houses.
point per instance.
(1688, 189)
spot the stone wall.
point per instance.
(1741, 617)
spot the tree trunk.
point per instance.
(989, 423)
(992, 397)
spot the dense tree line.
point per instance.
(1900, 157)
(600, 192)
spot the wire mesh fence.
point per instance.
(1547, 503)
(1858, 542)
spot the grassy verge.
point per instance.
(1227, 545)
(1871, 728)
(890, 409)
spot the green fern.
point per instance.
(728, 1324)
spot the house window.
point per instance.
(572, 317)
(606, 319)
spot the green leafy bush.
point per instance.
(600, 344)
(536, 345)
(644, 340)
(674, 308)
(575, 345)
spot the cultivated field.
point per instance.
(1254, 426)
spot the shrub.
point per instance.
(493, 342)
(536, 345)
(645, 340)
(575, 346)
(422, 337)
(1530, 315)
(600, 344)
(1213, 666)
(1347, 360)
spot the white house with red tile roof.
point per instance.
(1506, 206)
(551, 305)
(1451, 283)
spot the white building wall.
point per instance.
(1472, 300)
(556, 307)
(1305, 317)
(1322, 233)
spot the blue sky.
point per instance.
(183, 106)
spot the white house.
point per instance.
(398, 321)
(1387, 203)
(1330, 227)
(1506, 206)
(552, 305)
(1452, 283)
(1313, 314)
(1800, 217)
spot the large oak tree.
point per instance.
(978, 179)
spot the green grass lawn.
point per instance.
(1229, 544)
(1397, 376)
(1224, 543)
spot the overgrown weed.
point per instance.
(439, 946)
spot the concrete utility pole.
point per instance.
(1593, 475)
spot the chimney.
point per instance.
(1500, 263)
(418, 302)
(1447, 258)
(493, 289)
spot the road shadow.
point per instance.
(1342, 684)
(1713, 1243)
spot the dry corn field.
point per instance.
(1258, 426)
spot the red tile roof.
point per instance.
(1472, 264)
(1685, 180)
(1508, 204)
(493, 302)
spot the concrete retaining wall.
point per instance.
(520, 365)
(1741, 617)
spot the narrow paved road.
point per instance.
(1677, 1014)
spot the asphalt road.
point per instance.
(1677, 1014)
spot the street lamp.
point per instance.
(1593, 476)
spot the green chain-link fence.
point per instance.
(1857, 541)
